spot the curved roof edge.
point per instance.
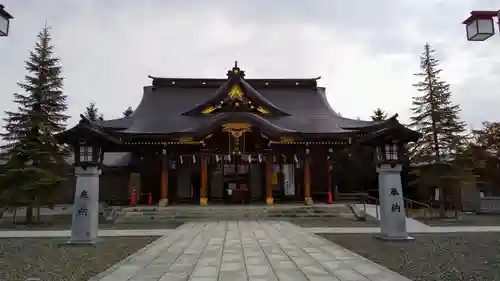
(225, 117)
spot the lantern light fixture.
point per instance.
(387, 153)
(5, 18)
(88, 155)
(479, 25)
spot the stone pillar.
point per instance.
(204, 182)
(85, 224)
(164, 180)
(392, 210)
(307, 181)
(269, 179)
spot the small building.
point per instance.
(231, 140)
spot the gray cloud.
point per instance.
(366, 51)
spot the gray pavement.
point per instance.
(245, 250)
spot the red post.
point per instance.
(150, 199)
(330, 199)
(132, 198)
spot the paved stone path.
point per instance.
(245, 250)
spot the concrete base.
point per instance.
(395, 239)
(269, 200)
(203, 201)
(308, 201)
(79, 243)
(163, 202)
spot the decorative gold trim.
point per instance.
(308, 201)
(235, 92)
(208, 110)
(236, 129)
(287, 139)
(203, 201)
(262, 110)
(185, 139)
(269, 200)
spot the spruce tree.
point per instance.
(35, 161)
(128, 111)
(437, 118)
(92, 113)
(379, 115)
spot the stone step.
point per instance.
(197, 213)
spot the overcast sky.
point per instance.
(366, 51)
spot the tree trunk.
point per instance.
(29, 214)
(38, 213)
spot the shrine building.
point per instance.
(232, 141)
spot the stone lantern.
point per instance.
(392, 209)
(88, 163)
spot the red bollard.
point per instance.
(132, 198)
(330, 199)
(150, 199)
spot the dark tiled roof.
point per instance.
(161, 110)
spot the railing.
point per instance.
(369, 199)
(489, 204)
(365, 199)
(409, 203)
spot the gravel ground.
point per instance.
(22, 258)
(432, 257)
(465, 220)
(63, 222)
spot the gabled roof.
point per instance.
(221, 94)
(166, 106)
(85, 129)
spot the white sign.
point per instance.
(289, 179)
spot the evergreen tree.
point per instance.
(34, 159)
(437, 118)
(379, 115)
(128, 111)
(487, 144)
(92, 113)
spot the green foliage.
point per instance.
(34, 159)
(434, 115)
(444, 135)
(486, 154)
(489, 138)
(92, 113)
(128, 111)
(379, 115)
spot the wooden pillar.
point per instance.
(164, 179)
(269, 179)
(204, 182)
(307, 181)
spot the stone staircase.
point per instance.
(144, 214)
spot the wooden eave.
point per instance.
(85, 129)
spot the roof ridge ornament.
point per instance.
(236, 71)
